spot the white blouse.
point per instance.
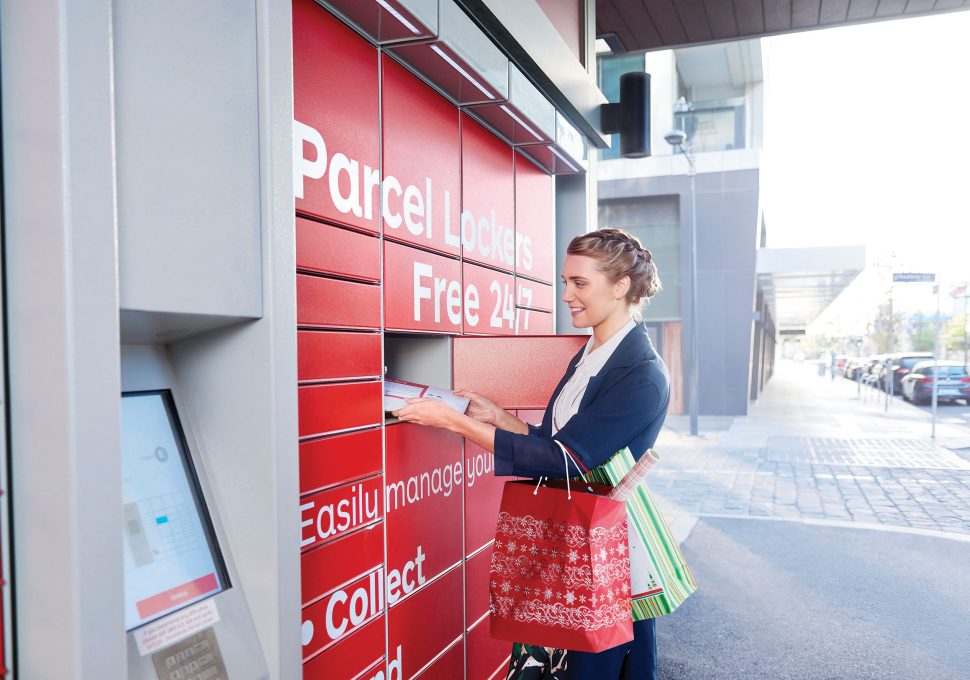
(590, 364)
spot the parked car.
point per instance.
(954, 382)
(852, 367)
(872, 367)
(902, 363)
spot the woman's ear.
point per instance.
(621, 288)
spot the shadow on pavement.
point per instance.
(780, 600)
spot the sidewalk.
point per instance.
(811, 450)
(829, 539)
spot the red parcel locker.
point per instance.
(328, 567)
(332, 408)
(329, 514)
(487, 658)
(483, 494)
(422, 291)
(531, 322)
(533, 295)
(339, 459)
(328, 355)
(494, 293)
(518, 372)
(450, 665)
(362, 650)
(488, 204)
(534, 222)
(477, 571)
(426, 623)
(334, 617)
(422, 162)
(326, 249)
(336, 120)
(337, 304)
(424, 500)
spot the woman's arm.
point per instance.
(434, 413)
(604, 427)
(484, 410)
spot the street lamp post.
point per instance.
(678, 140)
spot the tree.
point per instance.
(955, 335)
(885, 326)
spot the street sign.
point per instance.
(911, 277)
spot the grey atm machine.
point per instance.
(207, 340)
(184, 617)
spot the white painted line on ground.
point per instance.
(931, 533)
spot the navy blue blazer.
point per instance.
(625, 404)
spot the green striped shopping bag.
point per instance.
(660, 577)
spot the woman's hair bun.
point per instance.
(619, 253)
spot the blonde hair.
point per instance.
(618, 254)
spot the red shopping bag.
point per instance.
(560, 574)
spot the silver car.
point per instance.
(954, 382)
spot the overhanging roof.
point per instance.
(799, 283)
(662, 24)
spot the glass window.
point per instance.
(712, 125)
(655, 221)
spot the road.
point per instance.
(778, 600)
(828, 536)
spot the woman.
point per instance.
(614, 394)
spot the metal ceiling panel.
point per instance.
(526, 117)
(642, 25)
(566, 157)
(461, 63)
(388, 21)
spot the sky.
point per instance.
(867, 141)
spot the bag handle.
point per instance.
(565, 459)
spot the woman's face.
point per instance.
(591, 296)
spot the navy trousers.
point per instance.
(639, 664)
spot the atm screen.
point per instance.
(171, 557)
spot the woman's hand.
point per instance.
(429, 412)
(481, 408)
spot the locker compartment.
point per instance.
(425, 623)
(494, 292)
(423, 359)
(336, 119)
(327, 515)
(535, 237)
(325, 355)
(329, 566)
(421, 142)
(342, 612)
(488, 204)
(362, 650)
(424, 500)
(448, 666)
(533, 295)
(518, 372)
(335, 303)
(325, 249)
(531, 416)
(422, 290)
(483, 494)
(477, 570)
(531, 322)
(487, 658)
(336, 460)
(332, 408)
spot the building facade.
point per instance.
(714, 93)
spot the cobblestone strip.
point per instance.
(746, 483)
